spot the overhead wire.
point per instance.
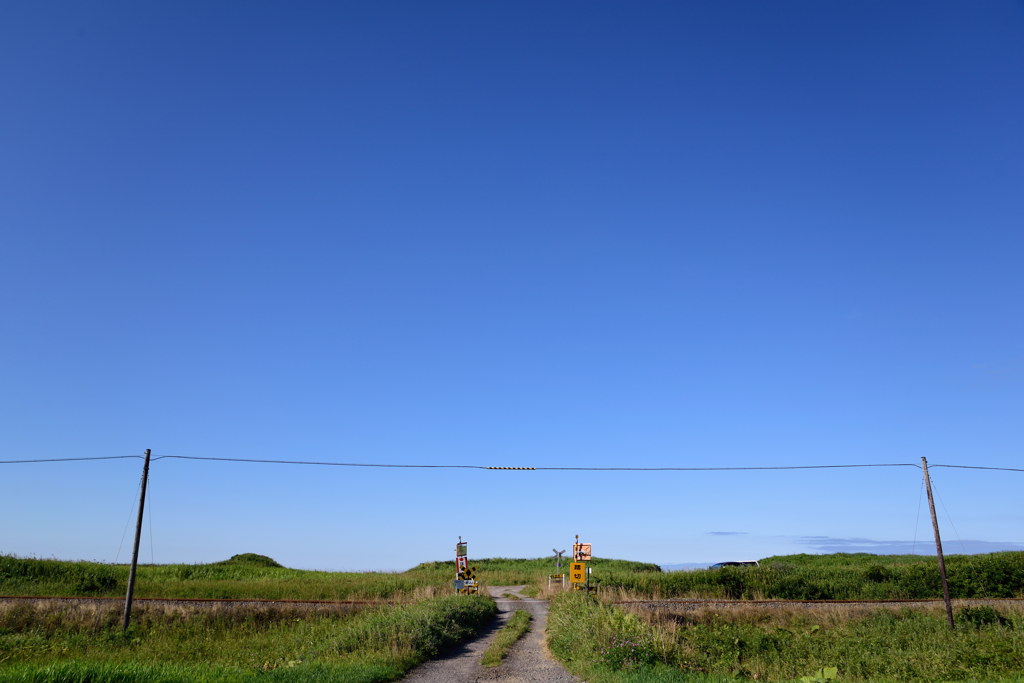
(105, 457)
(573, 469)
(314, 462)
(485, 467)
(725, 469)
(491, 467)
(980, 467)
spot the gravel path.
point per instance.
(528, 661)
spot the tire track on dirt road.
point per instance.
(528, 661)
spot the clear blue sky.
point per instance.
(525, 234)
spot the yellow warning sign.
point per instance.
(577, 572)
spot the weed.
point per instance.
(982, 615)
(621, 653)
(822, 675)
(514, 629)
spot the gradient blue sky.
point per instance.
(524, 234)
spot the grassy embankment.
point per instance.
(839, 577)
(608, 643)
(256, 576)
(243, 576)
(502, 571)
(52, 641)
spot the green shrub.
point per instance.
(94, 580)
(251, 559)
(877, 573)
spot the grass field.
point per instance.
(601, 641)
(38, 642)
(604, 642)
(48, 641)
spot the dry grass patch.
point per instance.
(101, 615)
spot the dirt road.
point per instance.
(527, 662)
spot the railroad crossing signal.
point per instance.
(558, 558)
(465, 581)
(465, 576)
(579, 572)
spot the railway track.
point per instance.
(684, 604)
(248, 602)
(669, 605)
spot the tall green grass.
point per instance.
(375, 644)
(790, 577)
(604, 642)
(514, 629)
(101, 672)
(841, 577)
(19, 576)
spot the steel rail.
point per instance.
(79, 598)
(712, 602)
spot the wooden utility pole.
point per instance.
(135, 551)
(938, 544)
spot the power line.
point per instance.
(312, 462)
(979, 467)
(479, 467)
(722, 469)
(108, 457)
(570, 469)
(322, 463)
